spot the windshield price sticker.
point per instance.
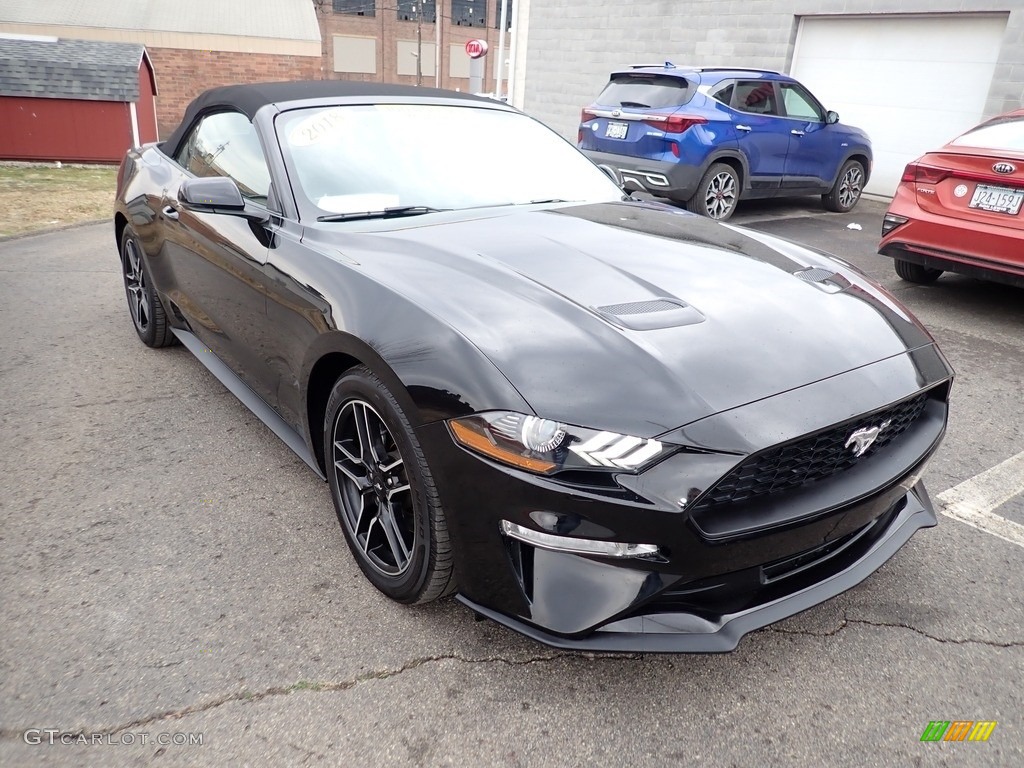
(317, 127)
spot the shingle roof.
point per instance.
(70, 69)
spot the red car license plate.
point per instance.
(998, 199)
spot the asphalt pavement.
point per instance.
(172, 573)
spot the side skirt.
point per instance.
(249, 399)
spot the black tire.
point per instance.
(916, 273)
(717, 193)
(144, 306)
(403, 550)
(849, 186)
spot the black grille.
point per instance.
(810, 458)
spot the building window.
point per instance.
(469, 13)
(497, 14)
(355, 7)
(407, 10)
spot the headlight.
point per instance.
(546, 446)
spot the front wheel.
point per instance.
(144, 304)
(916, 273)
(848, 188)
(717, 193)
(384, 492)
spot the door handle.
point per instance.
(170, 212)
(795, 132)
(742, 127)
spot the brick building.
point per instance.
(376, 39)
(193, 44)
(912, 73)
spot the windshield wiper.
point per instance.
(636, 104)
(387, 213)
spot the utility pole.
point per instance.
(502, 23)
(437, 42)
(419, 42)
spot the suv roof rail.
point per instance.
(665, 65)
(739, 69)
(688, 68)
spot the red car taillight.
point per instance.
(924, 174)
(674, 123)
(586, 115)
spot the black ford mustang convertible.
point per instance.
(603, 422)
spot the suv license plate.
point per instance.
(997, 199)
(616, 130)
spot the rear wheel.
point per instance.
(848, 188)
(916, 273)
(384, 492)
(144, 304)
(717, 193)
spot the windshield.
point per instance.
(363, 158)
(1005, 134)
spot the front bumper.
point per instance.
(717, 574)
(662, 631)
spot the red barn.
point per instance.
(74, 100)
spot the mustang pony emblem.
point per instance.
(864, 438)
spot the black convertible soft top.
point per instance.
(248, 99)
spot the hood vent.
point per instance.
(651, 314)
(825, 279)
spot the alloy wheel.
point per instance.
(850, 187)
(720, 195)
(135, 285)
(374, 487)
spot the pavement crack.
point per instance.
(846, 621)
(936, 638)
(247, 696)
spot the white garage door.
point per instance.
(911, 82)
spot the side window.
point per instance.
(799, 103)
(724, 93)
(225, 144)
(757, 96)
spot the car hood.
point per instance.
(714, 315)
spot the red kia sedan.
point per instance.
(958, 209)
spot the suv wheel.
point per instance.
(717, 193)
(847, 189)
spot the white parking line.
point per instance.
(973, 500)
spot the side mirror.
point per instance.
(216, 194)
(831, 117)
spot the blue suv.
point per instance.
(709, 136)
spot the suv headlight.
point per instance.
(545, 446)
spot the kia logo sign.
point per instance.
(1004, 167)
(476, 49)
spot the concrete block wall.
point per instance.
(572, 45)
